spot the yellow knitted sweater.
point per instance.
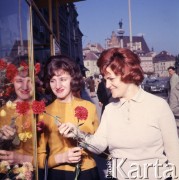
(58, 144)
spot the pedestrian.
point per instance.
(103, 94)
(91, 84)
(19, 148)
(174, 103)
(174, 79)
(65, 81)
(140, 129)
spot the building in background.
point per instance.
(91, 54)
(161, 63)
(139, 46)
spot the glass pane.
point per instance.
(16, 91)
(41, 53)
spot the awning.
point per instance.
(44, 3)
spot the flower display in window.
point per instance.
(21, 172)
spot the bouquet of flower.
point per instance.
(23, 172)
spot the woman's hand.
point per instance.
(8, 132)
(73, 155)
(13, 157)
(68, 130)
(9, 156)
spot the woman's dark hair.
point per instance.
(62, 62)
(123, 62)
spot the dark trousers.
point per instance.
(91, 174)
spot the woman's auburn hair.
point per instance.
(123, 62)
(62, 62)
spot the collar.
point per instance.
(138, 97)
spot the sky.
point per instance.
(156, 20)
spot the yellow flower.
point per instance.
(4, 166)
(3, 113)
(11, 105)
(29, 135)
(25, 136)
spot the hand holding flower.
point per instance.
(8, 132)
(68, 130)
(72, 155)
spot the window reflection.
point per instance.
(16, 91)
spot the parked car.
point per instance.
(156, 85)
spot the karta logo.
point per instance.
(115, 168)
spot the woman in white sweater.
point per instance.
(139, 130)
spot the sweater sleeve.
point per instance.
(98, 141)
(41, 150)
(169, 133)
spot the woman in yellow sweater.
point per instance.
(16, 150)
(65, 81)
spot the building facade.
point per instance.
(161, 63)
(139, 46)
(91, 54)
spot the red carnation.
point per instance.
(22, 107)
(37, 68)
(38, 107)
(11, 72)
(81, 113)
(3, 64)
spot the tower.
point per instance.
(121, 33)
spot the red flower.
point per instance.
(22, 107)
(24, 66)
(37, 68)
(38, 107)
(8, 91)
(11, 72)
(81, 113)
(3, 64)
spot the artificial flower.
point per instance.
(37, 68)
(38, 107)
(11, 72)
(8, 91)
(3, 65)
(22, 107)
(4, 166)
(3, 113)
(9, 104)
(25, 136)
(25, 172)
